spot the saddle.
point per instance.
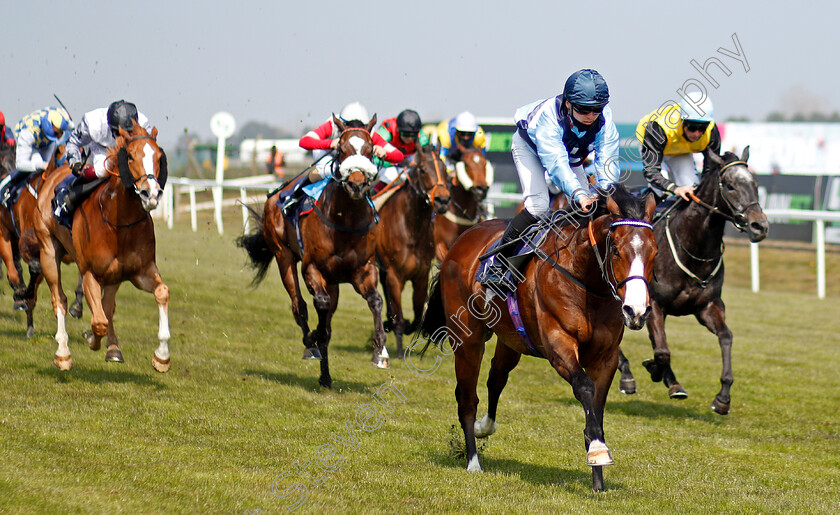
(527, 245)
(70, 193)
(299, 200)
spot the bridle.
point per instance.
(605, 264)
(337, 162)
(738, 217)
(427, 195)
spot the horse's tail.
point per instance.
(257, 248)
(433, 316)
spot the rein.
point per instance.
(701, 282)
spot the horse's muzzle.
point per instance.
(757, 225)
(634, 320)
(441, 204)
(479, 192)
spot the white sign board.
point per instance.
(786, 148)
(222, 124)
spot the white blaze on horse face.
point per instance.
(635, 293)
(357, 143)
(149, 170)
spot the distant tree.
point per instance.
(818, 117)
(738, 119)
(775, 116)
(835, 117)
(253, 129)
(798, 117)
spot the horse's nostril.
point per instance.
(628, 311)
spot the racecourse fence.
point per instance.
(171, 203)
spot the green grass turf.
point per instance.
(239, 409)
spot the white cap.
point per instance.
(354, 111)
(697, 107)
(465, 122)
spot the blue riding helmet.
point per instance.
(586, 88)
(54, 120)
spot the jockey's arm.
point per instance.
(714, 146)
(384, 150)
(319, 138)
(653, 151)
(79, 140)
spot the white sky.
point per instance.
(292, 63)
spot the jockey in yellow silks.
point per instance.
(672, 134)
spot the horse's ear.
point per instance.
(154, 133)
(372, 123)
(339, 123)
(746, 154)
(650, 206)
(163, 170)
(711, 154)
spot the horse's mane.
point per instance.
(630, 206)
(709, 179)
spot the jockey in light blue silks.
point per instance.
(553, 138)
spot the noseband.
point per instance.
(605, 264)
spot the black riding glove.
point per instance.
(76, 168)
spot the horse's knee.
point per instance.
(321, 301)
(662, 357)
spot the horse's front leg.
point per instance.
(602, 373)
(713, 317)
(51, 269)
(660, 366)
(98, 319)
(325, 300)
(627, 383)
(13, 270)
(287, 267)
(364, 281)
(393, 286)
(77, 306)
(151, 281)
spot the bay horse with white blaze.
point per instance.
(689, 270)
(405, 237)
(469, 188)
(338, 246)
(112, 241)
(589, 280)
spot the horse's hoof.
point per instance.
(721, 408)
(326, 383)
(484, 427)
(380, 362)
(598, 454)
(63, 362)
(91, 340)
(161, 365)
(676, 391)
(312, 353)
(627, 386)
(653, 369)
(75, 311)
(30, 332)
(114, 355)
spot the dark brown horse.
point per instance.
(405, 237)
(587, 282)
(469, 188)
(338, 247)
(113, 240)
(689, 268)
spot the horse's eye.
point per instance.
(730, 187)
(615, 252)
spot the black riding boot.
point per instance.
(495, 274)
(291, 202)
(15, 177)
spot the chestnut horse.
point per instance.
(689, 270)
(405, 237)
(18, 241)
(338, 246)
(469, 188)
(113, 240)
(586, 283)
